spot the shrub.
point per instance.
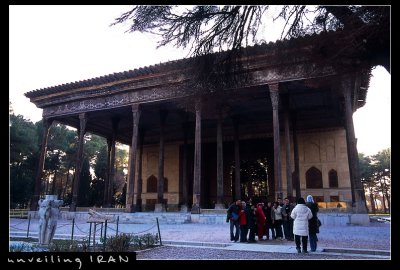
(118, 243)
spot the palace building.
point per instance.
(292, 116)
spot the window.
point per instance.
(152, 184)
(333, 180)
(318, 199)
(334, 198)
(313, 178)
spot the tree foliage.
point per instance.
(210, 28)
(23, 160)
(60, 158)
(375, 174)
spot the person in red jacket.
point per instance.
(243, 223)
(260, 221)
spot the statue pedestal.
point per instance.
(49, 210)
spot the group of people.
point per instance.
(299, 221)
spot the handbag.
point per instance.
(235, 216)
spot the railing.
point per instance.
(18, 213)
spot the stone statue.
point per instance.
(49, 210)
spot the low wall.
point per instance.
(205, 217)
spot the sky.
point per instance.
(52, 45)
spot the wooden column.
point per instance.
(237, 157)
(296, 174)
(139, 172)
(220, 165)
(274, 93)
(130, 207)
(197, 160)
(357, 190)
(160, 187)
(115, 122)
(38, 180)
(79, 161)
(107, 180)
(288, 150)
(184, 167)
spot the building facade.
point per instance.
(292, 114)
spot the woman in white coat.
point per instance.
(301, 214)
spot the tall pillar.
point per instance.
(288, 150)
(115, 122)
(160, 206)
(107, 180)
(237, 157)
(274, 93)
(38, 180)
(296, 174)
(197, 160)
(79, 161)
(220, 165)
(139, 172)
(130, 207)
(184, 205)
(357, 190)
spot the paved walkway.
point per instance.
(345, 240)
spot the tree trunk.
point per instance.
(383, 199)
(387, 196)
(371, 197)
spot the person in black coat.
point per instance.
(233, 218)
(313, 227)
(251, 221)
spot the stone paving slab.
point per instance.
(281, 249)
(375, 237)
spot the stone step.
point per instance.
(357, 251)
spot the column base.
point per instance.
(359, 219)
(138, 205)
(130, 208)
(159, 207)
(219, 206)
(138, 208)
(195, 209)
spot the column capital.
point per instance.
(47, 122)
(83, 116)
(136, 107)
(273, 87)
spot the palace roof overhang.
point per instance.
(303, 67)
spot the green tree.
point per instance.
(23, 160)
(383, 172)
(368, 178)
(100, 167)
(23, 139)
